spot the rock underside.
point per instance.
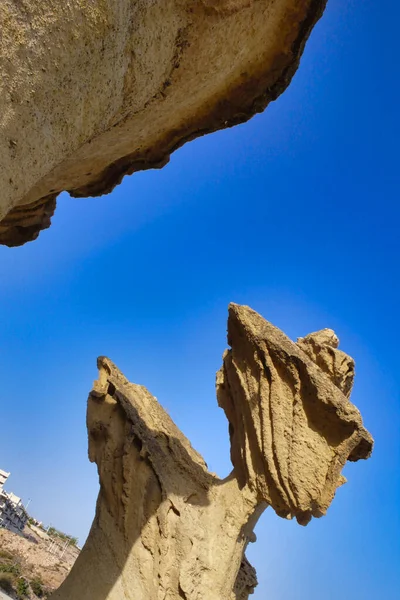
(165, 527)
(92, 91)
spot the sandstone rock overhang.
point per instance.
(94, 91)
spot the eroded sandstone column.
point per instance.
(166, 528)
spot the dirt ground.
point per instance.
(38, 555)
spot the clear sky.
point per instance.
(295, 213)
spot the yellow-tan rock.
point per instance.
(165, 527)
(91, 91)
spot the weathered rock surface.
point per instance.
(91, 91)
(166, 527)
(292, 427)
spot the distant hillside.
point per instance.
(28, 570)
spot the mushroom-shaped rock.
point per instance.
(167, 527)
(92, 91)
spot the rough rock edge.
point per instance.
(24, 223)
(115, 173)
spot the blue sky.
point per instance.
(295, 213)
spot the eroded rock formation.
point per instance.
(91, 91)
(166, 527)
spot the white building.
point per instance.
(3, 478)
(13, 515)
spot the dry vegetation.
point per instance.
(27, 569)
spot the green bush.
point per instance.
(37, 587)
(13, 568)
(6, 583)
(22, 588)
